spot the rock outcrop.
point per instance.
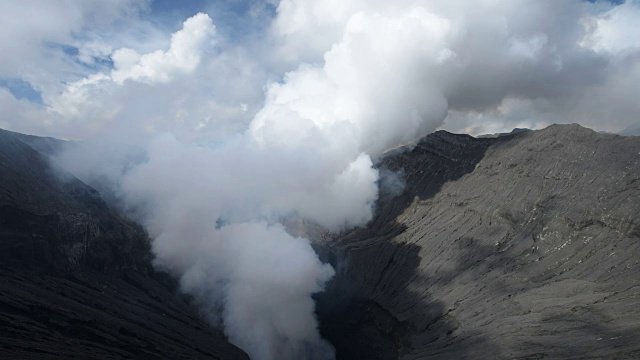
(520, 246)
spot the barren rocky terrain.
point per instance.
(524, 245)
(76, 279)
(521, 246)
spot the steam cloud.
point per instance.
(225, 164)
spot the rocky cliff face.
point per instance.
(76, 279)
(52, 221)
(521, 246)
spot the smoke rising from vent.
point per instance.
(233, 138)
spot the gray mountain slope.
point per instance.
(45, 145)
(631, 130)
(524, 246)
(521, 246)
(76, 279)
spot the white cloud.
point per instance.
(187, 46)
(94, 51)
(40, 36)
(616, 30)
(190, 88)
(467, 56)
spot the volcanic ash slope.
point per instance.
(518, 246)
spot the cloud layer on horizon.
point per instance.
(497, 64)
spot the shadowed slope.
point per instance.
(76, 280)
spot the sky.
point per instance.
(500, 65)
(216, 124)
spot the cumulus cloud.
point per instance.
(191, 88)
(369, 87)
(182, 57)
(616, 30)
(97, 95)
(474, 59)
(41, 38)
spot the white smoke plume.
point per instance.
(228, 157)
(213, 213)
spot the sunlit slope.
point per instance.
(521, 246)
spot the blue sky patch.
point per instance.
(236, 19)
(21, 90)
